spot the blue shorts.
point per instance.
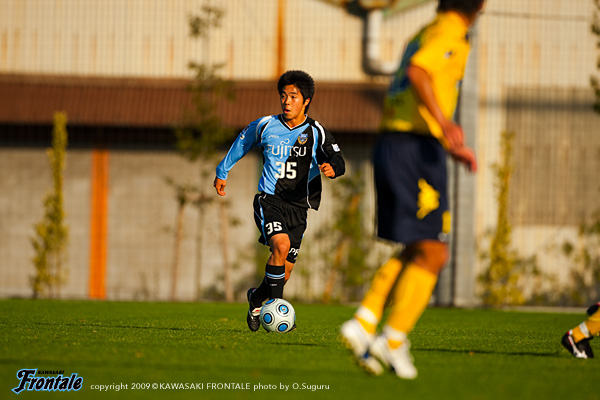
(411, 185)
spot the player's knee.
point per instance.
(440, 257)
(432, 256)
(281, 247)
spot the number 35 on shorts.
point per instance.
(274, 226)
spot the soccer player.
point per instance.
(576, 340)
(296, 150)
(411, 185)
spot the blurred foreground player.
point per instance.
(296, 150)
(411, 184)
(577, 340)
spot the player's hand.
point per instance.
(453, 134)
(327, 170)
(466, 156)
(219, 184)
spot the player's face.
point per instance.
(293, 105)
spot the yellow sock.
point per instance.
(593, 323)
(394, 338)
(411, 297)
(588, 328)
(580, 332)
(371, 308)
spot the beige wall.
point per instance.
(24, 183)
(141, 221)
(531, 45)
(150, 38)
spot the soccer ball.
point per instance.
(277, 315)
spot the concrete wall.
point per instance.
(141, 221)
(531, 46)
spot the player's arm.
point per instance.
(329, 156)
(421, 82)
(245, 141)
(453, 132)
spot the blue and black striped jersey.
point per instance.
(291, 158)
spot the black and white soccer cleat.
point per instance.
(253, 313)
(581, 349)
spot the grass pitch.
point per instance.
(157, 349)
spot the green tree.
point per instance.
(502, 278)
(199, 136)
(51, 233)
(349, 258)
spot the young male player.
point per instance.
(577, 340)
(410, 178)
(296, 149)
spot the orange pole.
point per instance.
(98, 224)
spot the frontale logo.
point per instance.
(302, 138)
(30, 382)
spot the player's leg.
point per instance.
(423, 223)
(295, 223)
(397, 168)
(359, 332)
(576, 340)
(275, 270)
(282, 226)
(289, 266)
(270, 222)
(416, 284)
(272, 284)
(371, 308)
(411, 297)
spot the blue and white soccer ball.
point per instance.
(277, 315)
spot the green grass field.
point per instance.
(460, 354)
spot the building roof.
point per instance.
(160, 103)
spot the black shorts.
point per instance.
(273, 215)
(411, 184)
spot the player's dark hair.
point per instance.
(303, 81)
(467, 7)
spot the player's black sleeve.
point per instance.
(330, 152)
